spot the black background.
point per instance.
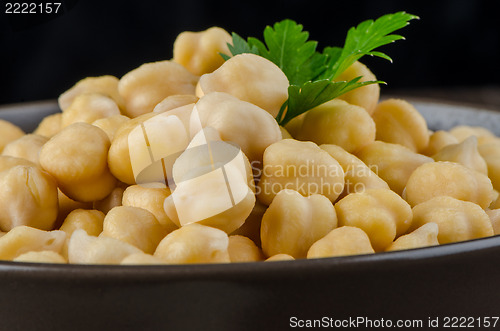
(455, 43)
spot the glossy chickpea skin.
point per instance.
(381, 213)
(398, 122)
(77, 158)
(200, 51)
(104, 85)
(24, 239)
(448, 179)
(424, 236)
(150, 198)
(194, 243)
(10, 132)
(135, 226)
(144, 87)
(394, 163)
(340, 123)
(86, 249)
(250, 78)
(89, 108)
(27, 147)
(243, 249)
(300, 166)
(366, 96)
(346, 240)
(292, 223)
(457, 220)
(28, 196)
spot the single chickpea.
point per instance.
(463, 132)
(28, 196)
(358, 176)
(77, 158)
(366, 96)
(41, 257)
(392, 162)
(91, 221)
(439, 140)
(399, 122)
(10, 132)
(24, 239)
(494, 216)
(250, 78)
(88, 108)
(194, 243)
(243, 249)
(339, 123)
(448, 179)
(457, 220)
(49, 126)
(152, 199)
(292, 223)
(346, 240)
(105, 85)
(144, 87)
(85, 249)
(424, 236)
(466, 153)
(27, 147)
(135, 226)
(301, 166)
(114, 199)
(200, 51)
(250, 127)
(280, 257)
(381, 213)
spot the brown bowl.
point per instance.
(419, 286)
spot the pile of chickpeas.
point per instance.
(354, 175)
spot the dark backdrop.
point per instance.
(455, 43)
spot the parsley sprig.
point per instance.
(311, 74)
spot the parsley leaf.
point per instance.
(239, 46)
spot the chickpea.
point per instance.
(448, 179)
(249, 78)
(463, 132)
(346, 240)
(424, 236)
(77, 158)
(135, 226)
(200, 51)
(141, 259)
(194, 243)
(243, 249)
(295, 125)
(358, 176)
(67, 205)
(381, 213)
(89, 107)
(150, 198)
(301, 166)
(243, 123)
(88, 220)
(8, 162)
(144, 87)
(175, 101)
(28, 196)
(495, 204)
(10, 132)
(251, 227)
(111, 124)
(85, 249)
(339, 123)
(27, 147)
(280, 257)
(41, 257)
(49, 126)
(439, 140)
(105, 85)
(457, 220)
(366, 96)
(398, 122)
(114, 199)
(494, 216)
(491, 154)
(392, 162)
(24, 239)
(466, 153)
(292, 223)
